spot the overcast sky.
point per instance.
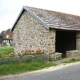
(9, 9)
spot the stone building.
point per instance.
(38, 28)
(7, 37)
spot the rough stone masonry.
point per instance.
(32, 35)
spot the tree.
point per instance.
(9, 30)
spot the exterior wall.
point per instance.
(78, 40)
(30, 34)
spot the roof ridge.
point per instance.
(53, 11)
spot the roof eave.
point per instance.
(65, 29)
(32, 14)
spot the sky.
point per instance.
(10, 9)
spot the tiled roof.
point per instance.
(7, 35)
(57, 20)
(52, 19)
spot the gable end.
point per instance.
(32, 14)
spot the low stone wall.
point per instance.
(55, 56)
(43, 57)
(72, 53)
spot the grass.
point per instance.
(4, 51)
(72, 60)
(17, 67)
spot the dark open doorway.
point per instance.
(65, 40)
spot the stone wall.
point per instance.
(78, 40)
(75, 53)
(39, 57)
(72, 53)
(30, 34)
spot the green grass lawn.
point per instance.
(4, 51)
(16, 67)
